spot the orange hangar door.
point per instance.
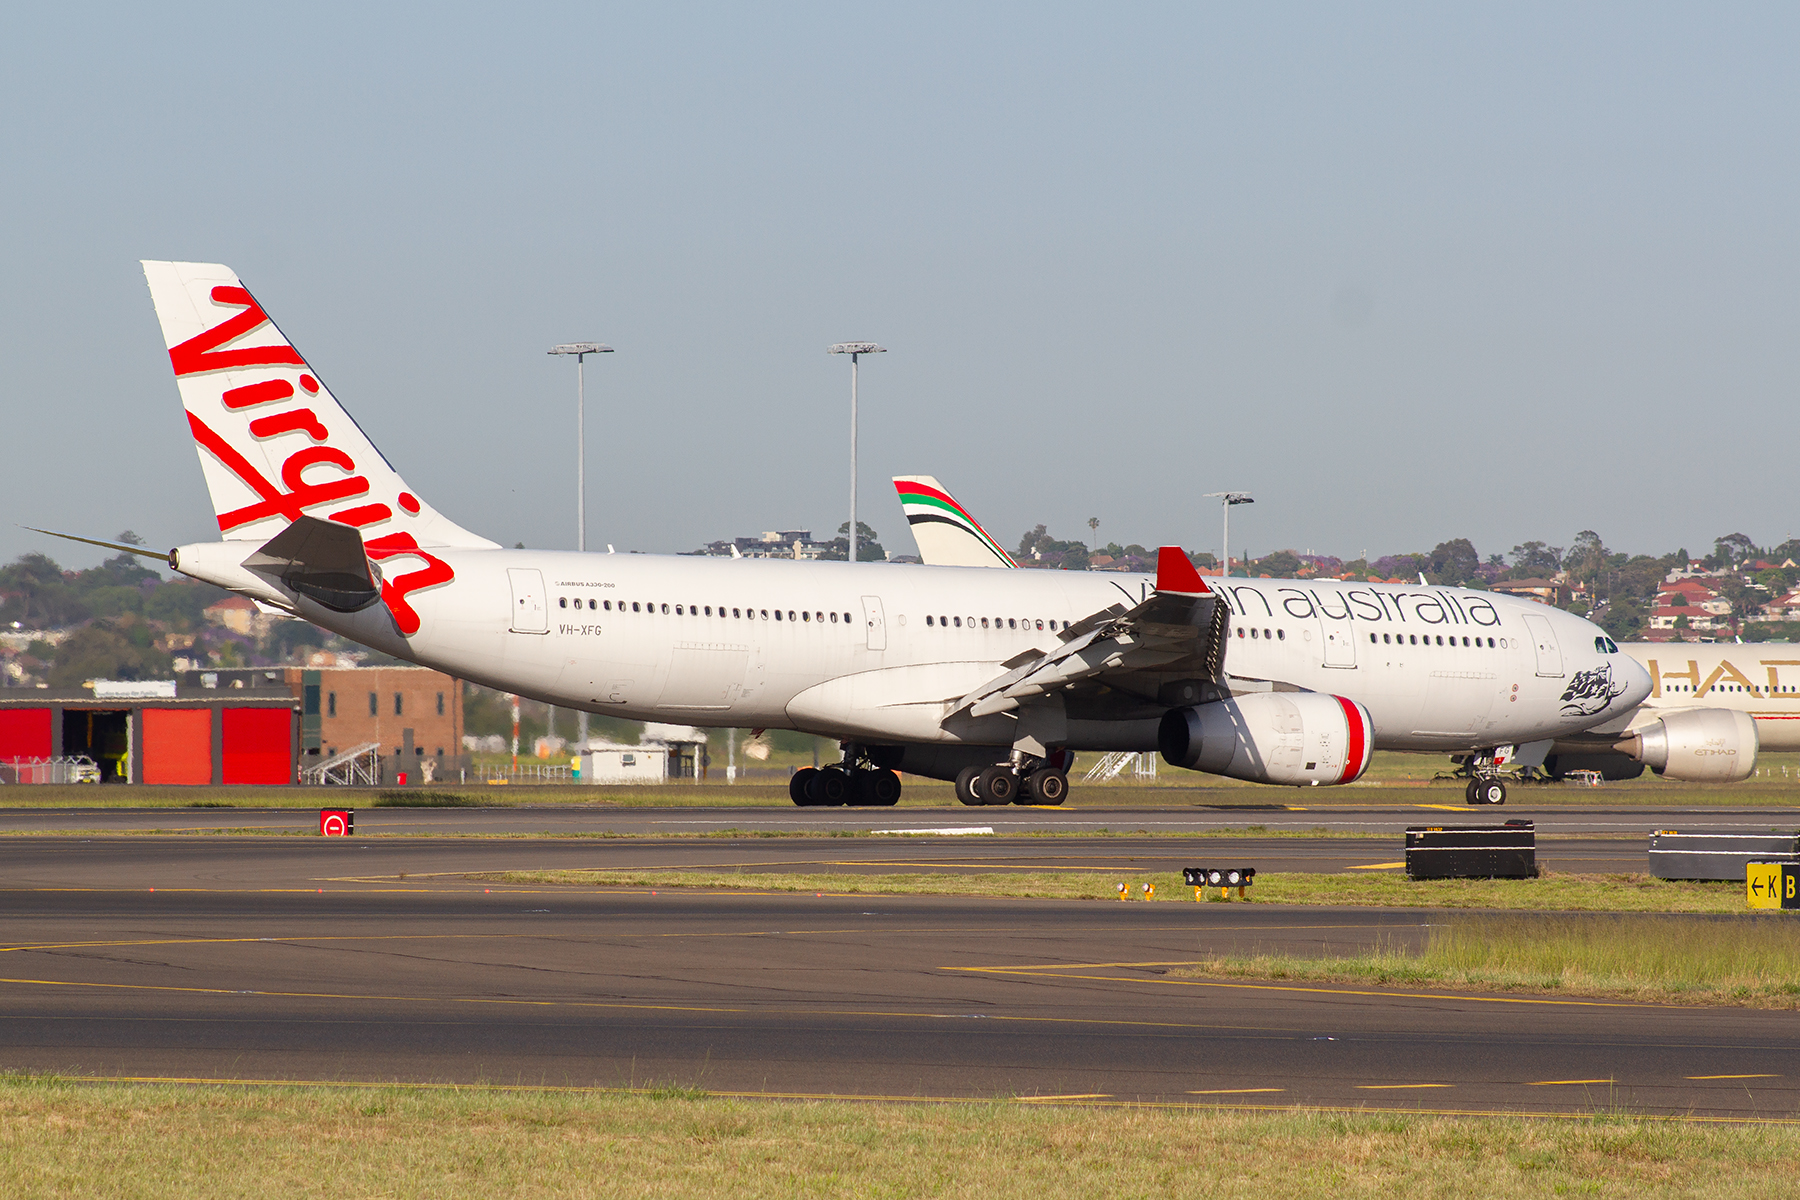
(178, 745)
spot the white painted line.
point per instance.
(956, 832)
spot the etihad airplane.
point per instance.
(1709, 709)
(988, 678)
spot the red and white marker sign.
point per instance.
(337, 822)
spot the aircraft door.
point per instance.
(1543, 640)
(1338, 632)
(529, 612)
(876, 623)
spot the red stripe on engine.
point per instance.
(1359, 740)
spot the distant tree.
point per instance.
(1623, 619)
(181, 603)
(289, 641)
(1202, 558)
(1454, 562)
(1033, 542)
(868, 549)
(1283, 564)
(105, 651)
(1732, 548)
(38, 595)
(1534, 559)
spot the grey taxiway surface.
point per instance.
(311, 959)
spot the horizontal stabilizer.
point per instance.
(322, 561)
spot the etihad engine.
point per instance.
(1702, 745)
(1296, 738)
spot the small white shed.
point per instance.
(626, 764)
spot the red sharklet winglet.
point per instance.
(1175, 573)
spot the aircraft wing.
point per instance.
(1179, 630)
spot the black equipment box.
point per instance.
(1506, 851)
(1723, 856)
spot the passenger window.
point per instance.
(1265, 633)
(562, 602)
(1490, 643)
(1371, 639)
(928, 620)
(678, 610)
(1011, 623)
(765, 614)
(634, 606)
(593, 604)
(1440, 640)
(1240, 633)
(1414, 639)
(1281, 635)
(834, 618)
(846, 618)
(1040, 624)
(778, 614)
(1253, 635)
(665, 610)
(806, 616)
(984, 623)
(958, 622)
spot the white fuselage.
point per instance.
(1760, 678)
(863, 651)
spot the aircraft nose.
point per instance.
(1636, 679)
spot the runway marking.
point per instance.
(1566, 1082)
(389, 1085)
(1398, 1087)
(1235, 1091)
(1072, 1096)
(1376, 867)
(1057, 971)
(1445, 807)
(1732, 1077)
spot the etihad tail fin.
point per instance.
(274, 444)
(947, 535)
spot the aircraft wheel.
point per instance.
(881, 788)
(999, 785)
(828, 788)
(1469, 796)
(1491, 791)
(1048, 786)
(797, 787)
(968, 786)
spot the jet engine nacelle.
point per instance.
(1296, 738)
(1702, 745)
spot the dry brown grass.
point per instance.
(1552, 892)
(62, 1138)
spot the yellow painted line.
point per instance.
(1733, 1077)
(1564, 1082)
(389, 1085)
(1073, 1096)
(1376, 867)
(1445, 807)
(1398, 1087)
(1235, 1091)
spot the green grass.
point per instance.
(62, 1138)
(1553, 892)
(1748, 960)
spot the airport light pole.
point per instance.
(1226, 500)
(855, 350)
(580, 350)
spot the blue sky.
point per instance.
(1407, 273)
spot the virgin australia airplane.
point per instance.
(990, 678)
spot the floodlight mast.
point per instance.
(1226, 500)
(580, 350)
(855, 350)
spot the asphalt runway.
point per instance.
(1620, 821)
(299, 959)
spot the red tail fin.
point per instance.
(1174, 573)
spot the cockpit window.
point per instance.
(1606, 645)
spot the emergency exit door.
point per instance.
(876, 623)
(530, 614)
(1543, 640)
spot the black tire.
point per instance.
(831, 788)
(1469, 796)
(1049, 786)
(999, 785)
(968, 786)
(1493, 791)
(797, 787)
(881, 788)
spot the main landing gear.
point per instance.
(1027, 782)
(857, 780)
